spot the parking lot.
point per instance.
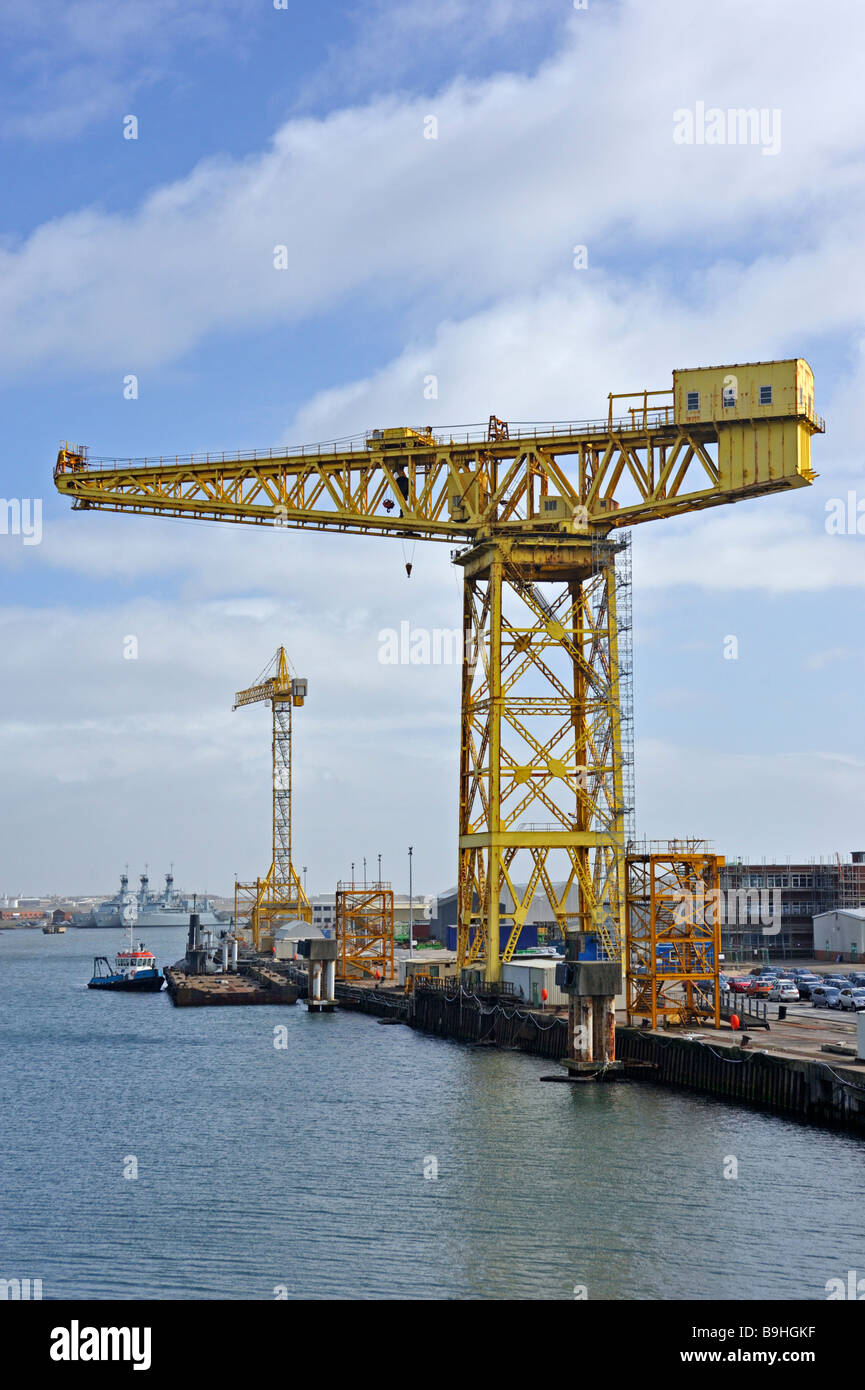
(804, 1030)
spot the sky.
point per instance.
(430, 170)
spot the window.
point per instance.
(765, 395)
(693, 400)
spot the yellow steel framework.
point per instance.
(280, 892)
(365, 931)
(543, 796)
(542, 807)
(674, 932)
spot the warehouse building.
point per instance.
(538, 928)
(840, 935)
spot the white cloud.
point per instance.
(493, 206)
(149, 757)
(75, 63)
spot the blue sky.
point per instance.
(303, 126)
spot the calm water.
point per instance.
(304, 1167)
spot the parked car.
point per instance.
(852, 999)
(806, 983)
(784, 992)
(740, 985)
(825, 997)
(760, 989)
(837, 981)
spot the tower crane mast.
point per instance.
(281, 891)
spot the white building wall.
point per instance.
(530, 977)
(839, 931)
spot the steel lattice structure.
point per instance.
(544, 688)
(365, 931)
(280, 893)
(674, 932)
(541, 791)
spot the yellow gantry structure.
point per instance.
(280, 892)
(674, 932)
(534, 510)
(365, 931)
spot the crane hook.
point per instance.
(408, 570)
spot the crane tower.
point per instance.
(535, 511)
(281, 891)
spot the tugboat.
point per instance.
(134, 967)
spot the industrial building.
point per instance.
(422, 905)
(770, 908)
(539, 928)
(287, 937)
(435, 965)
(839, 935)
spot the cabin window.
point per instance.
(765, 395)
(693, 400)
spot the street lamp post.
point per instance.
(410, 909)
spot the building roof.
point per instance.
(298, 930)
(534, 962)
(857, 912)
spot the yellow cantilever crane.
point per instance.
(281, 891)
(536, 510)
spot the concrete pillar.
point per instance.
(591, 986)
(582, 1030)
(225, 955)
(320, 956)
(234, 954)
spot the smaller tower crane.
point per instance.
(281, 892)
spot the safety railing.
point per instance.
(749, 1010)
(82, 461)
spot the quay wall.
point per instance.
(829, 1093)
